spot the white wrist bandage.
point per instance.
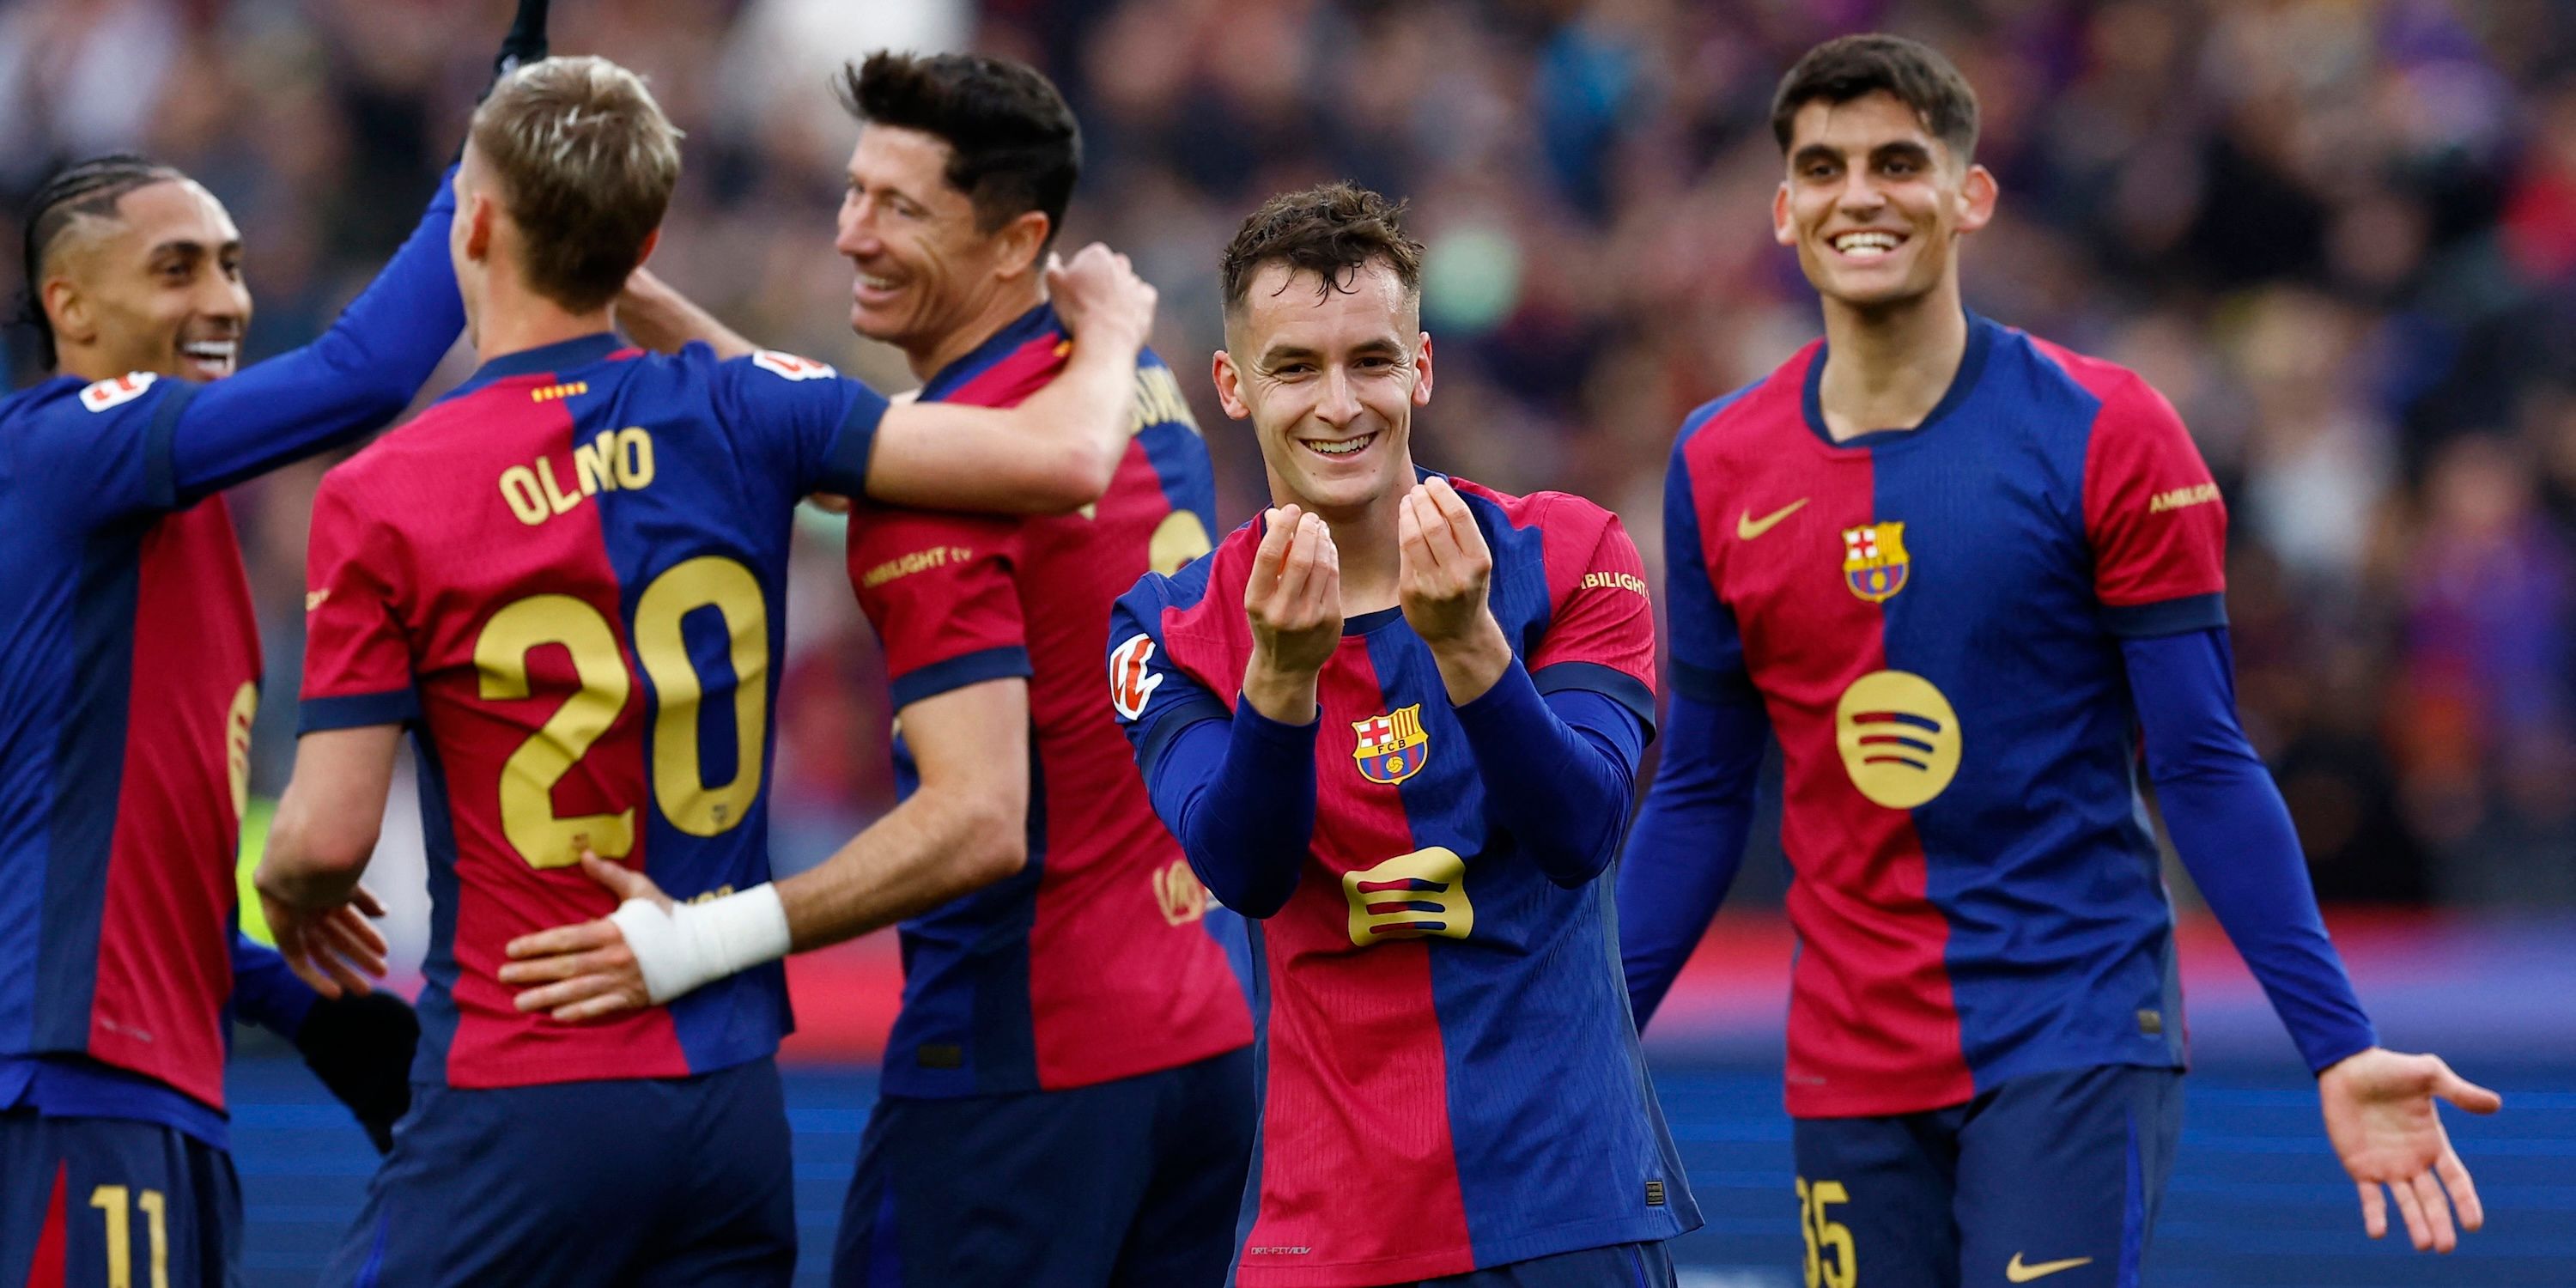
(697, 943)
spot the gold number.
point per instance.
(691, 803)
(529, 776)
(115, 1202)
(1842, 1270)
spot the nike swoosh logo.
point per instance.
(1747, 527)
(2018, 1273)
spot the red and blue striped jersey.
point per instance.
(131, 665)
(1449, 1077)
(569, 578)
(1099, 959)
(1931, 619)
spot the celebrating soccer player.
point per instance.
(569, 579)
(1395, 722)
(128, 685)
(1067, 1096)
(1963, 573)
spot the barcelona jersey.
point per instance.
(1449, 1077)
(1932, 620)
(132, 667)
(1095, 961)
(569, 578)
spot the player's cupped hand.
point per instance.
(2381, 1116)
(1443, 566)
(586, 970)
(338, 951)
(1293, 601)
(1100, 298)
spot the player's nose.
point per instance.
(1340, 403)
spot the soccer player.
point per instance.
(568, 579)
(1964, 574)
(1067, 1096)
(1394, 722)
(127, 685)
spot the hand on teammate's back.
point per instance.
(1294, 603)
(2385, 1127)
(586, 970)
(1100, 298)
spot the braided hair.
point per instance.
(84, 188)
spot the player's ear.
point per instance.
(68, 308)
(479, 218)
(1022, 243)
(1422, 373)
(645, 252)
(1977, 196)
(1782, 231)
(1229, 387)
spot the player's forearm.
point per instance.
(2235, 837)
(1470, 664)
(1240, 796)
(266, 991)
(1688, 840)
(934, 847)
(1560, 792)
(657, 317)
(1079, 425)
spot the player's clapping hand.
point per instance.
(337, 950)
(2381, 1117)
(587, 970)
(1100, 298)
(1443, 570)
(1294, 602)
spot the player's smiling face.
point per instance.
(1329, 379)
(921, 267)
(157, 289)
(1874, 203)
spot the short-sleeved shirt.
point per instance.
(1097, 960)
(1450, 1078)
(129, 673)
(568, 577)
(1932, 620)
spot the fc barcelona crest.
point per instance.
(1874, 562)
(1391, 747)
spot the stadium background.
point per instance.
(2339, 234)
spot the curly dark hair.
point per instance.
(1013, 144)
(1848, 67)
(1332, 231)
(84, 189)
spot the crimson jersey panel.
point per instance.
(569, 579)
(1450, 1079)
(1932, 620)
(131, 666)
(1101, 959)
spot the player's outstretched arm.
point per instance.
(318, 847)
(963, 829)
(2380, 1115)
(660, 318)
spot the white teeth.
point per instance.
(1868, 245)
(1342, 448)
(211, 350)
(876, 283)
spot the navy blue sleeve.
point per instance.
(1707, 649)
(1557, 770)
(266, 991)
(1688, 840)
(358, 375)
(816, 425)
(1239, 793)
(2235, 837)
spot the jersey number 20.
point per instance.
(692, 804)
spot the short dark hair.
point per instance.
(1849, 67)
(586, 163)
(1013, 144)
(84, 189)
(1332, 231)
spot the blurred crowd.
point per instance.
(2339, 234)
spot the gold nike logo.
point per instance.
(1747, 527)
(2018, 1273)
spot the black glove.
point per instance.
(526, 42)
(361, 1048)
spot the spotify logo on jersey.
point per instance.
(1898, 737)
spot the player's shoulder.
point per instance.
(1747, 416)
(2126, 400)
(1194, 586)
(69, 402)
(1561, 514)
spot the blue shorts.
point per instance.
(1621, 1265)
(2052, 1178)
(1133, 1182)
(82, 1199)
(646, 1181)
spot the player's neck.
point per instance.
(514, 319)
(1887, 368)
(1365, 543)
(932, 356)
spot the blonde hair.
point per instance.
(586, 163)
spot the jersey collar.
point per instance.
(1972, 363)
(562, 355)
(1026, 327)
